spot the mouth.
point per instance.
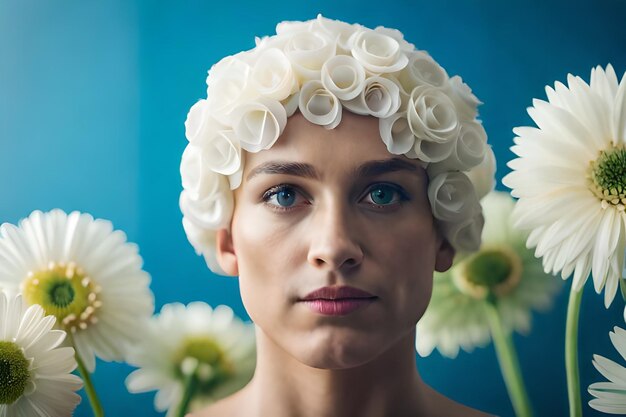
(337, 301)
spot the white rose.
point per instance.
(319, 106)
(464, 236)
(234, 179)
(213, 208)
(308, 52)
(228, 86)
(464, 100)
(432, 115)
(433, 152)
(404, 95)
(380, 98)
(378, 53)
(396, 134)
(204, 243)
(339, 31)
(343, 76)
(470, 148)
(483, 175)
(273, 75)
(422, 70)
(287, 27)
(398, 36)
(222, 152)
(258, 124)
(194, 174)
(200, 123)
(452, 197)
(218, 146)
(471, 145)
(291, 104)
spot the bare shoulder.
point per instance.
(226, 407)
(442, 406)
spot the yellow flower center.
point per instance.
(205, 359)
(490, 271)
(66, 292)
(606, 177)
(14, 373)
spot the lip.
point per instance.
(337, 301)
(337, 293)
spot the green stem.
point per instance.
(89, 388)
(189, 388)
(509, 363)
(571, 353)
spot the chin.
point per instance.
(336, 352)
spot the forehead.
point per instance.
(355, 141)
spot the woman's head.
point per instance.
(333, 208)
(326, 69)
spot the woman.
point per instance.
(325, 169)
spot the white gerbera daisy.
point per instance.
(207, 352)
(502, 270)
(35, 374)
(570, 179)
(611, 396)
(82, 272)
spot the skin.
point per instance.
(335, 232)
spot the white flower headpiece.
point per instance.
(322, 67)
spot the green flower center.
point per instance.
(14, 373)
(491, 271)
(66, 292)
(606, 177)
(205, 359)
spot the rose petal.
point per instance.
(377, 52)
(339, 31)
(273, 75)
(422, 70)
(259, 124)
(452, 197)
(432, 115)
(380, 98)
(308, 51)
(483, 175)
(343, 76)
(228, 85)
(319, 106)
(396, 134)
(212, 209)
(464, 100)
(433, 151)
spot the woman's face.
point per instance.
(333, 208)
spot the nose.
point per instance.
(334, 242)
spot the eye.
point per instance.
(282, 197)
(385, 195)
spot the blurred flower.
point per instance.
(196, 348)
(35, 374)
(570, 179)
(83, 273)
(611, 396)
(502, 270)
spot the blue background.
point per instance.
(93, 96)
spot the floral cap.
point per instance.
(323, 67)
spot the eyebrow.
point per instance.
(368, 169)
(285, 168)
(375, 168)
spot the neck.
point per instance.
(389, 385)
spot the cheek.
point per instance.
(409, 258)
(262, 257)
